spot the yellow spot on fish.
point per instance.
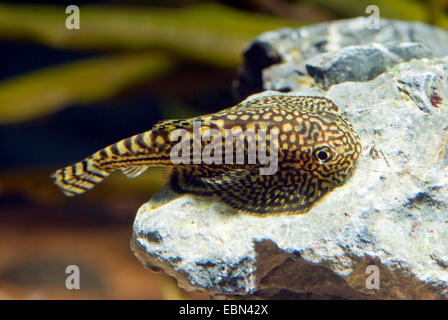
(220, 123)
(292, 138)
(287, 127)
(267, 115)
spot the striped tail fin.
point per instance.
(132, 156)
(80, 177)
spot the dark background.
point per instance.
(64, 94)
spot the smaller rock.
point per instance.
(361, 63)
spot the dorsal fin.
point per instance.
(317, 104)
(308, 103)
(168, 125)
(133, 172)
(187, 124)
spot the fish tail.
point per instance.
(132, 156)
(80, 177)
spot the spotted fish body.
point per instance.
(317, 151)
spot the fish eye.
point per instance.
(323, 154)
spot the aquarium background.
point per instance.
(64, 94)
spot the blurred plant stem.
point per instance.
(210, 33)
(46, 91)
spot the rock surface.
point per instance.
(392, 214)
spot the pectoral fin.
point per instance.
(133, 172)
